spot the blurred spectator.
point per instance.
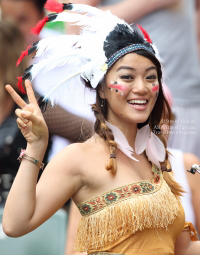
(198, 23)
(26, 14)
(58, 120)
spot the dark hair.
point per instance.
(39, 4)
(12, 44)
(119, 38)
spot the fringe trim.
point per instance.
(156, 210)
(193, 233)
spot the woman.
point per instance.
(125, 210)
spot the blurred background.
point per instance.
(174, 26)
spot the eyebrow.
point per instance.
(133, 69)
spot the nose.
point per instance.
(139, 87)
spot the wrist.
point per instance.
(37, 150)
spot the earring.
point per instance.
(102, 103)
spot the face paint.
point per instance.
(118, 87)
(113, 82)
(155, 88)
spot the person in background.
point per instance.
(26, 14)
(198, 23)
(172, 25)
(59, 121)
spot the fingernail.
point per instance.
(24, 120)
(24, 125)
(23, 113)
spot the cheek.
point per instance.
(155, 88)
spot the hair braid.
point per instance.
(165, 165)
(104, 131)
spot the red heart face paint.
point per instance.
(118, 86)
(155, 88)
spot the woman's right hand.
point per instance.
(30, 119)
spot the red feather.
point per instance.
(37, 29)
(53, 6)
(24, 54)
(146, 35)
(20, 86)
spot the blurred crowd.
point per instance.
(174, 26)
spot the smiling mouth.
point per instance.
(138, 102)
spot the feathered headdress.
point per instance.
(104, 38)
(88, 55)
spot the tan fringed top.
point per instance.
(140, 218)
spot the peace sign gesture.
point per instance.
(30, 119)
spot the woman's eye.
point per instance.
(127, 77)
(152, 77)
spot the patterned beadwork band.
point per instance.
(126, 50)
(105, 253)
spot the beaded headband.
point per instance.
(134, 47)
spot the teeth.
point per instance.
(138, 101)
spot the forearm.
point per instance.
(21, 201)
(132, 10)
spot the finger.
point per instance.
(18, 100)
(30, 92)
(21, 123)
(31, 116)
(18, 113)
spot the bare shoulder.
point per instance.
(74, 156)
(189, 160)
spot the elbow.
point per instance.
(10, 230)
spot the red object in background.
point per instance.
(54, 6)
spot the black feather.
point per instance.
(121, 37)
(68, 7)
(27, 76)
(32, 49)
(28, 69)
(52, 16)
(43, 104)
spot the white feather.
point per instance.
(155, 150)
(61, 42)
(121, 141)
(52, 62)
(87, 9)
(141, 139)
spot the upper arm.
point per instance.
(60, 180)
(182, 243)
(194, 183)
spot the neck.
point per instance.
(129, 129)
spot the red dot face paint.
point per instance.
(155, 88)
(118, 86)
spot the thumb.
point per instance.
(31, 116)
